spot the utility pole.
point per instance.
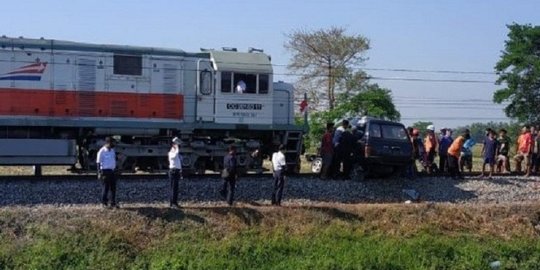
(330, 83)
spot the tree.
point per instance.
(519, 70)
(323, 59)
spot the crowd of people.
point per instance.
(456, 155)
(339, 150)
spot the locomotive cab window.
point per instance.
(226, 82)
(127, 65)
(206, 82)
(263, 83)
(245, 83)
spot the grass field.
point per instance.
(248, 237)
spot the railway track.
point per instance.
(163, 175)
(132, 176)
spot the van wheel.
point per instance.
(358, 173)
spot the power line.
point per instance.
(283, 74)
(456, 118)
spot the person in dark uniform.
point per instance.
(279, 166)
(106, 164)
(229, 175)
(339, 149)
(175, 171)
(348, 143)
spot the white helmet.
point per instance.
(431, 127)
(176, 141)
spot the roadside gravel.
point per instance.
(298, 191)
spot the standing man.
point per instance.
(453, 156)
(106, 164)
(444, 143)
(417, 151)
(279, 166)
(466, 159)
(523, 150)
(175, 171)
(338, 147)
(327, 151)
(347, 145)
(430, 146)
(503, 162)
(491, 146)
(229, 175)
(535, 160)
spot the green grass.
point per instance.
(327, 237)
(335, 247)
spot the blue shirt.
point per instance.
(490, 148)
(444, 144)
(467, 147)
(337, 136)
(229, 163)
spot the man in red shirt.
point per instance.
(524, 148)
(327, 150)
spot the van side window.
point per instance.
(127, 64)
(375, 130)
(226, 83)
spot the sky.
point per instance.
(422, 35)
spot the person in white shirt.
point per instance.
(175, 171)
(279, 166)
(241, 87)
(106, 164)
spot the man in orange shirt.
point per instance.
(524, 147)
(454, 151)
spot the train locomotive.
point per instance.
(60, 99)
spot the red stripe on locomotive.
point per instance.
(36, 102)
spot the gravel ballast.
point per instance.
(257, 191)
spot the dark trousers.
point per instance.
(109, 185)
(535, 162)
(228, 188)
(174, 177)
(347, 165)
(340, 158)
(279, 182)
(443, 163)
(453, 167)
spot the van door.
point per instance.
(205, 92)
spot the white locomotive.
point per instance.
(59, 99)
